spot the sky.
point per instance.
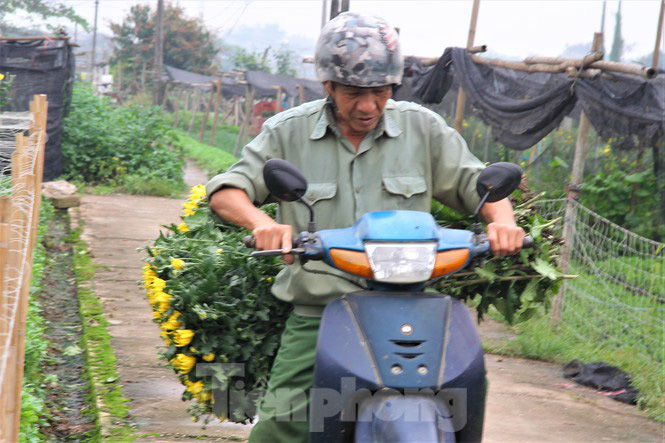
(518, 28)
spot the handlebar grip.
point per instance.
(249, 241)
(528, 242)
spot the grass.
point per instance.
(603, 330)
(34, 410)
(209, 158)
(225, 135)
(97, 342)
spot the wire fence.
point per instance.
(618, 298)
(22, 139)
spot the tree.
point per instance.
(251, 61)
(617, 42)
(188, 44)
(43, 8)
(284, 59)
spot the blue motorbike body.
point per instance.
(361, 341)
(394, 363)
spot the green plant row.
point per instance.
(100, 356)
(212, 160)
(132, 147)
(34, 408)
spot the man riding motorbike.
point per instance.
(360, 152)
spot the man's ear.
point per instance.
(328, 86)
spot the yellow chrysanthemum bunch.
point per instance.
(196, 194)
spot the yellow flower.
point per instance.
(204, 397)
(165, 337)
(195, 388)
(163, 307)
(465, 124)
(171, 323)
(183, 337)
(182, 227)
(219, 251)
(269, 279)
(2, 77)
(157, 315)
(193, 350)
(177, 264)
(209, 357)
(158, 284)
(183, 363)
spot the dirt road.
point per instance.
(528, 401)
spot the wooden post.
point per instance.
(278, 109)
(301, 94)
(488, 132)
(236, 109)
(195, 110)
(218, 101)
(247, 119)
(204, 122)
(119, 87)
(659, 36)
(177, 94)
(33, 183)
(573, 193)
(461, 95)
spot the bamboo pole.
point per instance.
(624, 68)
(196, 102)
(246, 122)
(429, 61)
(301, 94)
(204, 122)
(659, 36)
(573, 191)
(178, 93)
(278, 108)
(33, 39)
(461, 95)
(218, 101)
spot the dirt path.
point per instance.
(528, 401)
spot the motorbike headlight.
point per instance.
(401, 262)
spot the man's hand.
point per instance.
(504, 235)
(505, 239)
(274, 236)
(234, 206)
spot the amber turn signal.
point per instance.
(354, 262)
(449, 261)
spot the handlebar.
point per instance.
(250, 242)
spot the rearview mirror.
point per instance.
(284, 180)
(498, 181)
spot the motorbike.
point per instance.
(395, 362)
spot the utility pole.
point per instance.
(659, 35)
(159, 55)
(324, 9)
(94, 45)
(337, 7)
(461, 95)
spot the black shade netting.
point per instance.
(522, 108)
(630, 110)
(41, 67)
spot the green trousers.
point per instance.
(284, 408)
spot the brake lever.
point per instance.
(276, 252)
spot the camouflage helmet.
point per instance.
(359, 50)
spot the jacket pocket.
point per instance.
(407, 187)
(320, 191)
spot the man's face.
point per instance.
(358, 109)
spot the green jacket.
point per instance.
(411, 157)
